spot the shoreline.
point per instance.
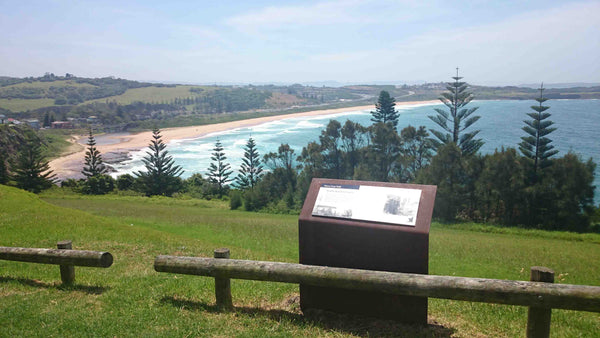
(70, 165)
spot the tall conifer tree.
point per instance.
(457, 118)
(162, 175)
(94, 165)
(219, 171)
(32, 171)
(251, 169)
(536, 146)
(385, 110)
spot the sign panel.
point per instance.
(368, 203)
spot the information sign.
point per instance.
(368, 203)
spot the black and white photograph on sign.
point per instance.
(368, 203)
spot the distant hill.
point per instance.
(562, 85)
(120, 104)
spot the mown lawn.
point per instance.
(130, 298)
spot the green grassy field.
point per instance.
(131, 299)
(152, 94)
(45, 85)
(145, 94)
(20, 105)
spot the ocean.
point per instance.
(577, 123)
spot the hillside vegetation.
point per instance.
(121, 104)
(131, 299)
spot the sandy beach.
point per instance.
(69, 166)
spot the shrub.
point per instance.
(69, 183)
(97, 185)
(254, 200)
(235, 199)
(125, 182)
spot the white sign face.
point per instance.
(368, 203)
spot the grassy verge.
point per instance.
(131, 299)
(60, 142)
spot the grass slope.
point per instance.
(152, 94)
(20, 105)
(130, 299)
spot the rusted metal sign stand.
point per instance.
(334, 232)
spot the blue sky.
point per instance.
(402, 41)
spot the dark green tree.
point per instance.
(46, 120)
(385, 110)
(415, 150)
(384, 150)
(162, 175)
(94, 165)
(282, 179)
(251, 169)
(457, 119)
(219, 171)
(353, 139)
(31, 170)
(4, 175)
(447, 170)
(500, 187)
(330, 139)
(536, 146)
(125, 182)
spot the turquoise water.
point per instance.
(577, 123)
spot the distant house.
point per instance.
(12, 121)
(62, 125)
(33, 123)
(92, 119)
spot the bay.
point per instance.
(577, 123)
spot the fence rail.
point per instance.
(63, 256)
(558, 296)
(539, 295)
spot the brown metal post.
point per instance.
(538, 318)
(67, 272)
(223, 285)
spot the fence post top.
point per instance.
(542, 269)
(221, 253)
(66, 244)
(541, 274)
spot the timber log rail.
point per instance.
(63, 256)
(539, 295)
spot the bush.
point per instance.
(97, 185)
(69, 183)
(198, 187)
(235, 199)
(125, 182)
(254, 200)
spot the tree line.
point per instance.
(530, 186)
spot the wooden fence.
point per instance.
(539, 295)
(63, 256)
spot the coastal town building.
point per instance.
(33, 123)
(61, 125)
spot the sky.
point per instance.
(347, 41)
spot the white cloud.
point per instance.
(323, 13)
(555, 45)
(329, 13)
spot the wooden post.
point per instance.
(223, 285)
(538, 318)
(67, 272)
